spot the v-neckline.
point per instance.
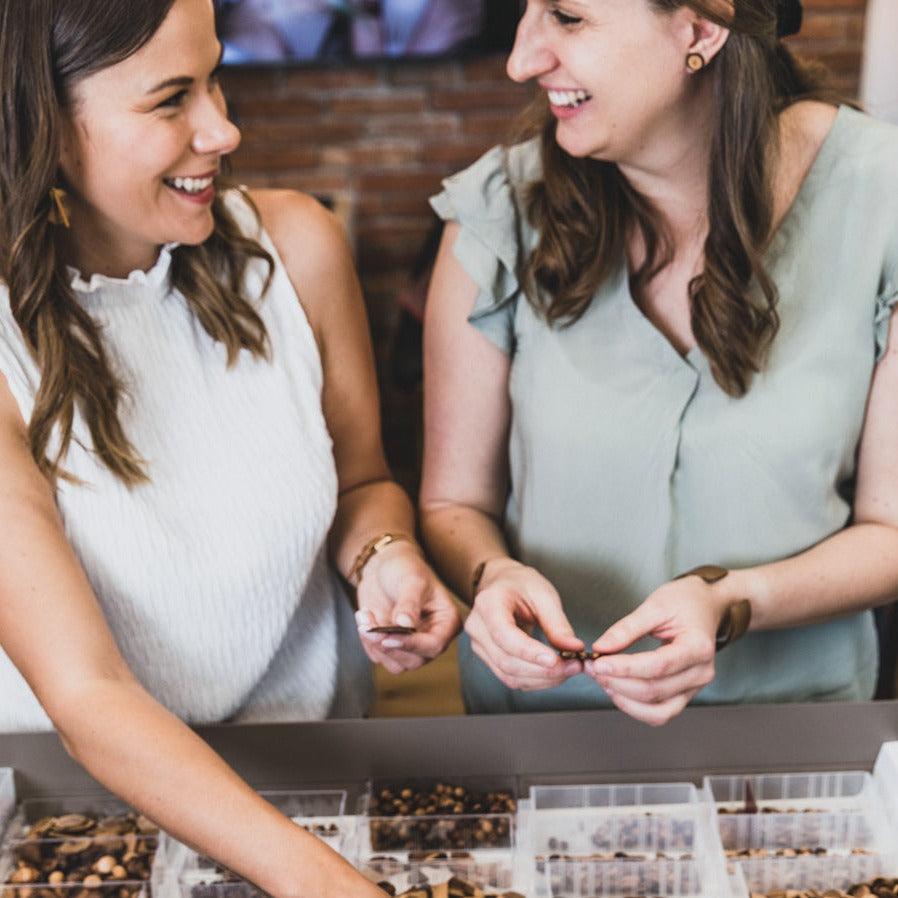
(694, 357)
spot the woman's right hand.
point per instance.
(513, 599)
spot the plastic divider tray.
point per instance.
(622, 840)
(7, 798)
(803, 830)
(27, 860)
(476, 844)
(321, 812)
(885, 773)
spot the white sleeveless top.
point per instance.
(214, 576)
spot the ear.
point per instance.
(709, 38)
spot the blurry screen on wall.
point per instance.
(309, 31)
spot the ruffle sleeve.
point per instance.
(481, 199)
(885, 305)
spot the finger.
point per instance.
(389, 664)
(519, 682)
(428, 645)
(397, 661)
(653, 715)
(636, 625)
(409, 597)
(374, 611)
(554, 623)
(499, 624)
(479, 630)
(365, 620)
(666, 661)
(655, 692)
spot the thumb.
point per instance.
(636, 625)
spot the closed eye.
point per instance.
(564, 19)
(175, 100)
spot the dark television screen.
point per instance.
(308, 31)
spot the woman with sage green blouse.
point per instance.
(657, 339)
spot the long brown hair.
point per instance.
(44, 52)
(585, 210)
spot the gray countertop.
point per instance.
(601, 746)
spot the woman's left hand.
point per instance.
(399, 588)
(655, 686)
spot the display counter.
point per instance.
(720, 803)
(600, 746)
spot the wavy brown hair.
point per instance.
(44, 53)
(586, 211)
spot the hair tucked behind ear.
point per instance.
(586, 211)
(43, 54)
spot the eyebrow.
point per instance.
(183, 80)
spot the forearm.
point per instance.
(458, 538)
(181, 784)
(366, 512)
(854, 569)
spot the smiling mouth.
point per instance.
(190, 186)
(568, 99)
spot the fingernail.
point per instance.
(572, 669)
(603, 667)
(405, 621)
(547, 660)
(392, 644)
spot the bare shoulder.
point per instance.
(804, 127)
(312, 245)
(302, 230)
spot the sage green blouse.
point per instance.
(630, 465)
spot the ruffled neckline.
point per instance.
(154, 277)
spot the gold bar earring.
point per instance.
(59, 214)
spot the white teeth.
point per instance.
(190, 185)
(571, 98)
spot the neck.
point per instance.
(95, 248)
(672, 170)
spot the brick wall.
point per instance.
(381, 137)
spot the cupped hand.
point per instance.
(655, 686)
(513, 599)
(398, 588)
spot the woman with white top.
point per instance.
(188, 421)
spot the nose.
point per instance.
(214, 133)
(531, 56)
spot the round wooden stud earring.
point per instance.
(695, 62)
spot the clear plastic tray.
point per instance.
(7, 798)
(119, 865)
(833, 811)
(648, 797)
(664, 879)
(637, 839)
(885, 774)
(320, 812)
(477, 847)
(839, 817)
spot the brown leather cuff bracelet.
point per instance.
(736, 616)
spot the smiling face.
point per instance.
(143, 142)
(614, 71)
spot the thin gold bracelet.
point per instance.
(371, 548)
